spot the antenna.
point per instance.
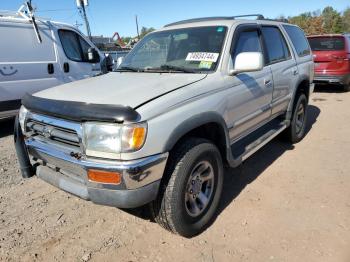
(76, 24)
(137, 27)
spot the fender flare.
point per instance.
(195, 122)
(291, 104)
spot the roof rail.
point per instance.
(283, 20)
(258, 16)
(5, 13)
(203, 19)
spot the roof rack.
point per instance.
(258, 16)
(203, 19)
(25, 12)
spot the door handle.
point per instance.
(295, 71)
(66, 67)
(267, 82)
(50, 69)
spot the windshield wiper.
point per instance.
(129, 68)
(176, 68)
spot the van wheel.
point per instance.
(188, 199)
(296, 131)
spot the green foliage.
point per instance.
(346, 20)
(126, 39)
(145, 31)
(332, 22)
(327, 21)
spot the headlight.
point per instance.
(108, 140)
(22, 117)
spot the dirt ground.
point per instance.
(286, 203)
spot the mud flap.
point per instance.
(27, 170)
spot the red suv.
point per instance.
(332, 59)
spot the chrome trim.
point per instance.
(135, 173)
(77, 127)
(8, 114)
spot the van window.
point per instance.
(248, 41)
(298, 39)
(19, 44)
(276, 45)
(327, 43)
(74, 46)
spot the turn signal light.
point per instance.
(138, 137)
(104, 177)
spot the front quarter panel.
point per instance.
(171, 116)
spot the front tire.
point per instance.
(190, 193)
(296, 131)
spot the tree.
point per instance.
(329, 21)
(309, 22)
(145, 31)
(332, 21)
(346, 20)
(126, 39)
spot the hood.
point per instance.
(121, 88)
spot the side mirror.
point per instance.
(93, 55)
(109, 63)
(120, 61)
(248, 62)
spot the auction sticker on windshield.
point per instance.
(202, 56)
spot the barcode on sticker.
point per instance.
(202, 56)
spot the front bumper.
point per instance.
(140, 178)
(332, 79)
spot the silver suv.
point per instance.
(189, 99)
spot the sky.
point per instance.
(109, 16)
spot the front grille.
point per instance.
(52, 133)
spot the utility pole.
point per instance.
(81, 4)
(137, 28)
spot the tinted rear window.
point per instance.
(327, 43)
(298, 39)
(276, 44)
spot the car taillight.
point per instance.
(339, 57)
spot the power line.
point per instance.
(55, 10)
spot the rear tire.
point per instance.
(346, 87)
(296, 131)
(191, 190)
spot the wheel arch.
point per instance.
(210, 125)
(302, 86)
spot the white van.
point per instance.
(35, 59)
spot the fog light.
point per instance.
(104, 177)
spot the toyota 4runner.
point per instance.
(189, 99)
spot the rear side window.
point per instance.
(327, 43)
(276, 45)
(74, 46)
(248, 41)
(298, 39)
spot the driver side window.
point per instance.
(248, 41)
(74, 46)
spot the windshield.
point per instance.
(187, 50)
(327, 43)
